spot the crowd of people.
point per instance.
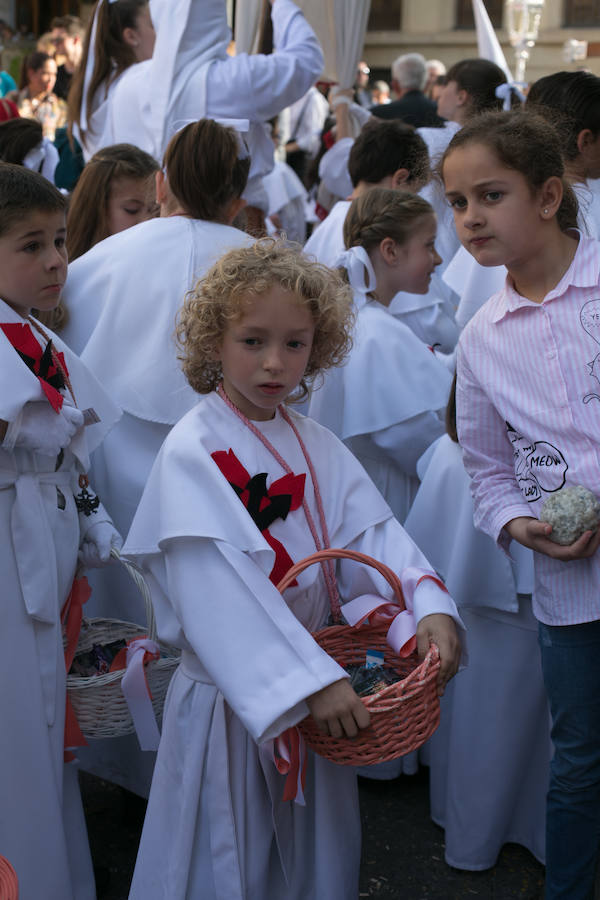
(372, 312)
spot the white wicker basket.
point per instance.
(98, 700)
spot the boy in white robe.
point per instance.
(47, 515)
(217, 826)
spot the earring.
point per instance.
(545, 212)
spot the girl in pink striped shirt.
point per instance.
(529, 423)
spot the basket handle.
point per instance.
(333, 553)
(136, 575)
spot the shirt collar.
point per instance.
(584, 272)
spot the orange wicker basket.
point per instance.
(9, 884)
(403, 715)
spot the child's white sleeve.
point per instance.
(252, 646)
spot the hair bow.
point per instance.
(360, 271)
(505, 91)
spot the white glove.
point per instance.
(97, 543)
(39, 428)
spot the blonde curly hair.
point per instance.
(245, 273)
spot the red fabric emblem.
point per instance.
(265, 505)
(43, 363)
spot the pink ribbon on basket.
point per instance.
(401, 635)
(288, 752)
(136, 690)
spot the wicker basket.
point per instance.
(403, 715)
(98, 700)
(9, 883)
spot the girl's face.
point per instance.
(451, 102)
(131, 200)
(418, 258)
(496, 213)
(265, 352)
(42, 80)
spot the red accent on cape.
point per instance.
(289, 485)
(22, 339)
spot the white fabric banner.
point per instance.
(488, 45)
(340, 26)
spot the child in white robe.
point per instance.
(387, 401)
(47, 518)
(262, 320)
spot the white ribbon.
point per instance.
(360, 271)
(89, 66)
(43, 159)
(137, 693)
(505, 91)
(403, 627)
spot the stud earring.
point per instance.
(545, 212)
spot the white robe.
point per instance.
(123, 297)
(42, 830)
(430, 316)
(489, 759)
(385, 402)
(190, 76)
(216, 826)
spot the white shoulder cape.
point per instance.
(123, 297)
(25, 387)
(390, 376)
(187, 496)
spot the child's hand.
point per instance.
(42, 430)
(534, 534)
(441, 630)
(338, 710)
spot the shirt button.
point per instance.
(551, 355)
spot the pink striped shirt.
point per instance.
(528, 411)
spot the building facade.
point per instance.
(443, 29)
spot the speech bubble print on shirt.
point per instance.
(590, 320)
(539, 466)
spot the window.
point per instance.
(385, 15)
(464, 13)
(582, 12)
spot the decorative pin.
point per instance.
(86, 502)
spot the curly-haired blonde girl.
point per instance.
(240, 276)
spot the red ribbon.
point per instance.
(43, 363)
(71, 616)
(264, 504)
(290, 758)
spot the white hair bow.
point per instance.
(360, 271)
(505, 91)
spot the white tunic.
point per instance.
(216, 826)
(385, 402)
(489, 758)
(42, 831)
